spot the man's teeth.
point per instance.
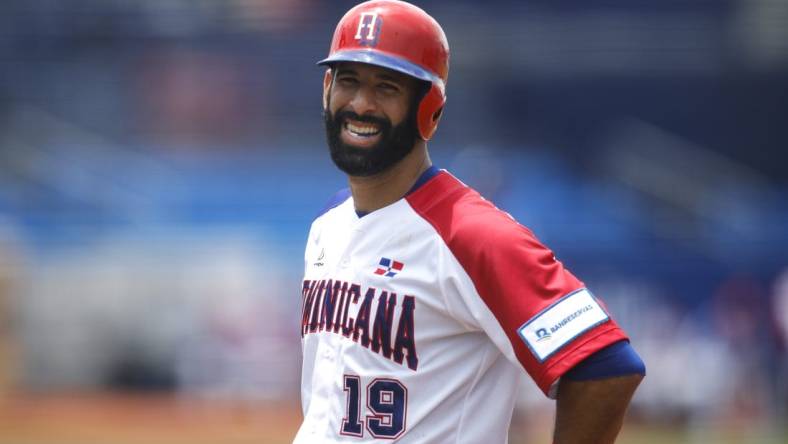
(362, 130)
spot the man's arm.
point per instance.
(592, 412)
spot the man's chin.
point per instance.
(357, 161)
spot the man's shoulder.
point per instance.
(461, 215)
(336, 200)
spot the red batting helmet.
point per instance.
(402, 37)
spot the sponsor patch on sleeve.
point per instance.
(560, 323)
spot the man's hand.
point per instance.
(592, 412)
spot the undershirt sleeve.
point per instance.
(614, 360)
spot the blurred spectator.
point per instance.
(241, 346)
(195, 99)
(281, 16)
(780, 315)
(11, 262)
(741, 319)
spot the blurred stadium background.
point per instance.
(161, 161)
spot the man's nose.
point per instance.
(364, 101)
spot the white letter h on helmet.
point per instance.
(367, 20)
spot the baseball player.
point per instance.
(423, 302)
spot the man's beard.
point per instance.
(395, 143)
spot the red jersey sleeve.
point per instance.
(551, 320)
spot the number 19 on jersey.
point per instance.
(386, 402)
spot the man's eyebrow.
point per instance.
(345, 70)
(399, 80)
(391, 78)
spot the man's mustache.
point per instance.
(341, 116)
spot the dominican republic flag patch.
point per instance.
(388, 267)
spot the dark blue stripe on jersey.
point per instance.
(425, 176)
(335, 201)
(614, 360)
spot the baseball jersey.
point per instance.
(418, 319)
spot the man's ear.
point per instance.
(327, 79)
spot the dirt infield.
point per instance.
(111, 418)
(153, 419)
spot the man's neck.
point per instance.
(375, 192)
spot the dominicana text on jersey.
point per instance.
(327, 307)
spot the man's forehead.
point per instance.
(374, 70)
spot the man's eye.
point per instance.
(347, 80)
(388, 87)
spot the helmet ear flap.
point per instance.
(430, 110)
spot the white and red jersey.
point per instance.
(418, 319)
